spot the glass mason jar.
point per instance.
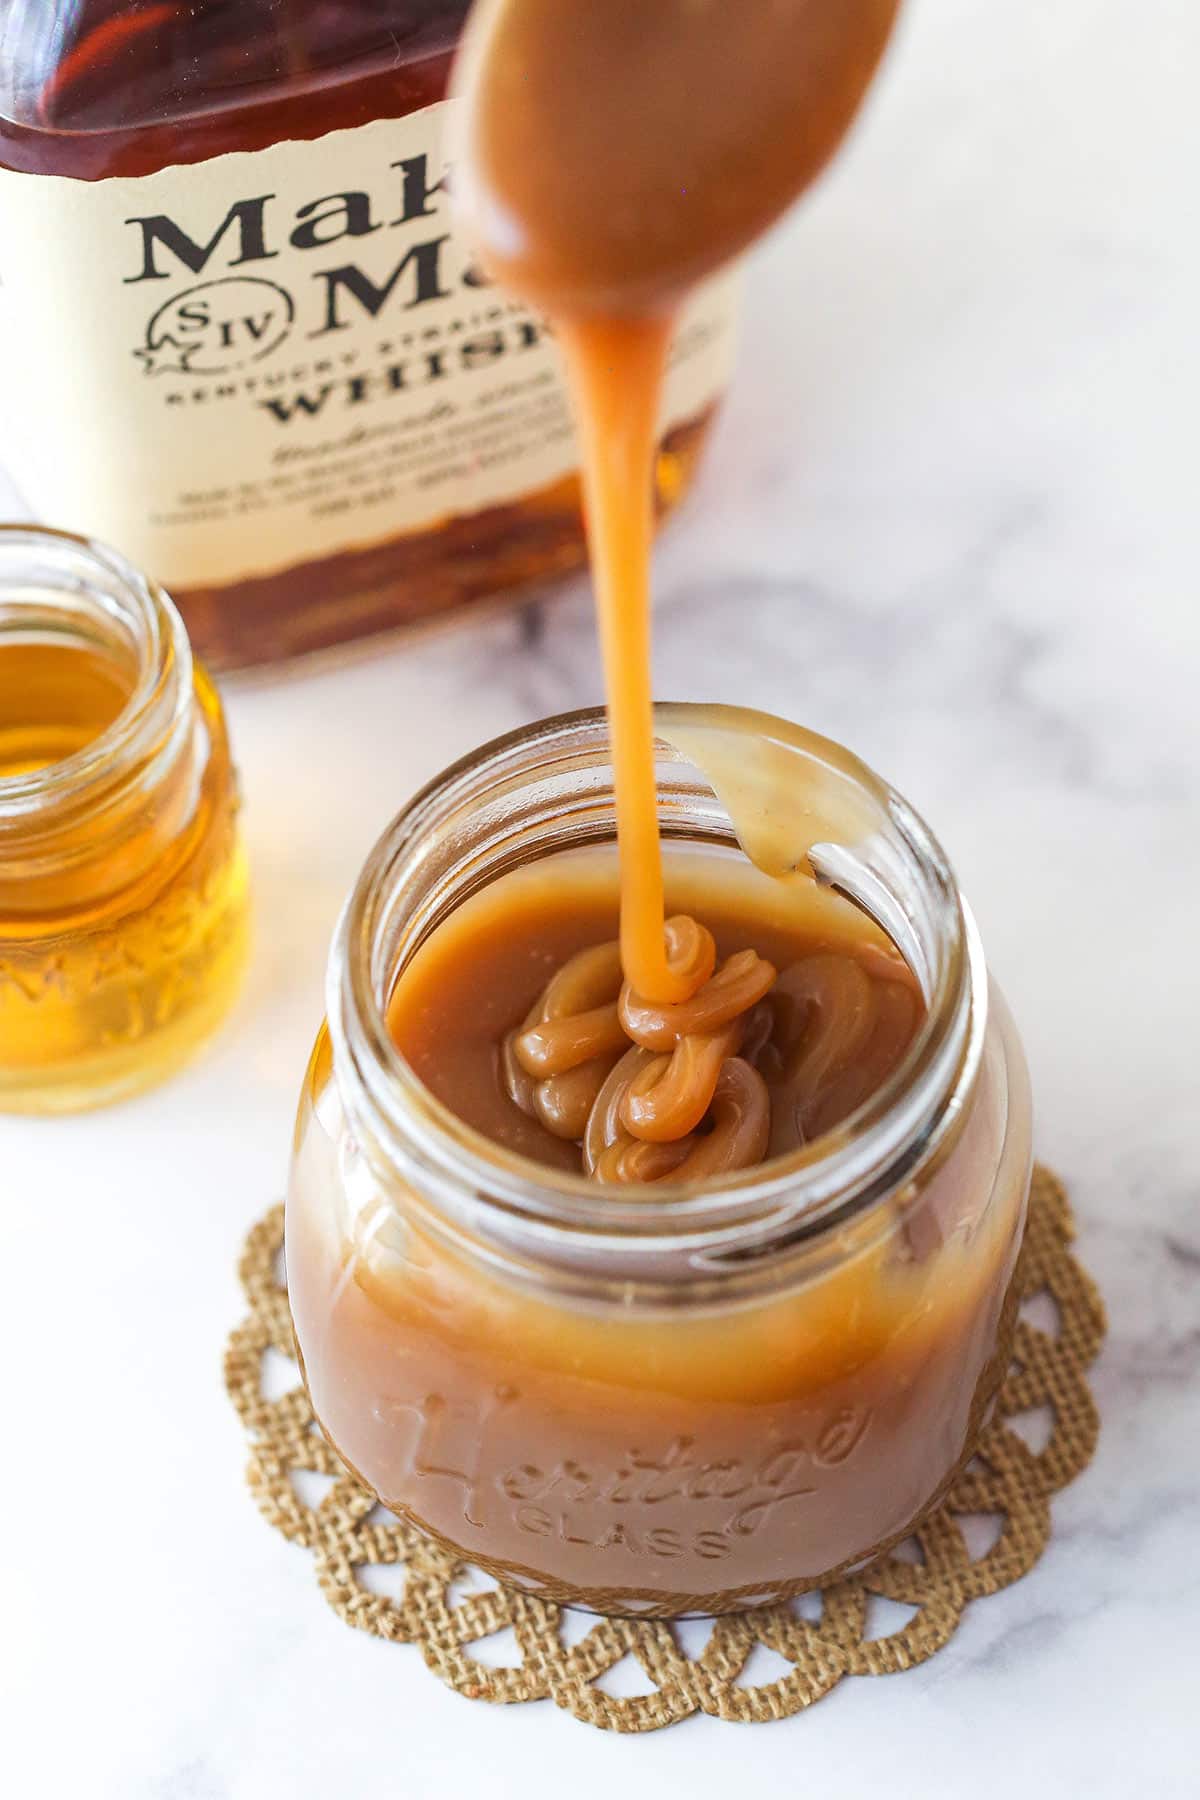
(123, 893)
(649, 1400)
(228, 248)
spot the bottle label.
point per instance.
(229, 367)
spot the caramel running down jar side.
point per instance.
(657, 1402)
(229, 249)
(123, 889)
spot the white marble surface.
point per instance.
(950, 517)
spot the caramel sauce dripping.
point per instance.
(612, 157)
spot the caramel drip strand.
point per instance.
(691, 951)
(576, 1018)
(610, 1152)
(669, 1097)
(616, 368)
(570, 1064)
(692, 1043)
(740, 983)
(741, 1123)
(824, 1013)
(883, 962)
(563, 1103)
(555, 1063)
(894, 1025)
(836, 1035)
(757, 1027)
(739, 1114)
(629, 1161)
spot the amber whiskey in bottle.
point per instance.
(241, 339)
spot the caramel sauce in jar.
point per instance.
(123, 891)
(655, 1398)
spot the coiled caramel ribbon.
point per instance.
(839, 1025)
(748, 1065)
(652, 1092)
(557, 1062)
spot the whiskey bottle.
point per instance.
(241, 340)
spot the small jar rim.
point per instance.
(806, 1194)
(157, 710)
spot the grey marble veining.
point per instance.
(949, 517)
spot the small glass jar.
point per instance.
(123, 892)
(646, 1400)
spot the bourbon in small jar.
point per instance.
(123, 886)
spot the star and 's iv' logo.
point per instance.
(217, 327)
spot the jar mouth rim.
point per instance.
(156, 707)
(817, 1187)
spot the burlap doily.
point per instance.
(1001, 1498)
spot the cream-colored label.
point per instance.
(234, 366)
